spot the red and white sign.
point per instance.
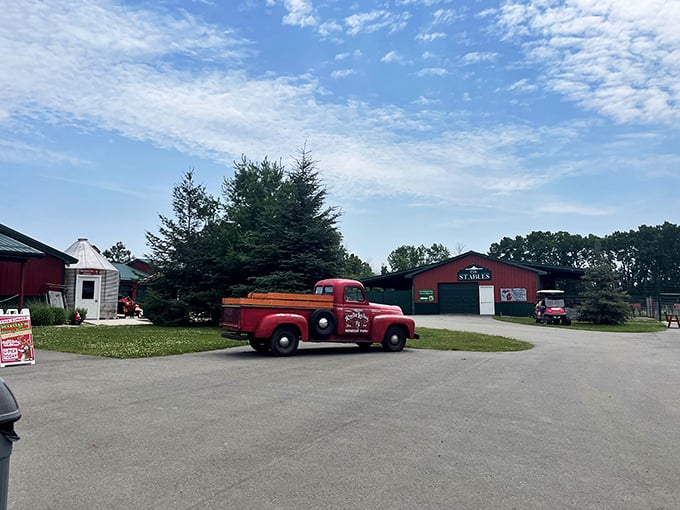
(16, 340)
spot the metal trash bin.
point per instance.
(9, 414)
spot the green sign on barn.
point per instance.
(474, 273)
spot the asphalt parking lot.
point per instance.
(584, 420)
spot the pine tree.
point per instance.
(605, 302)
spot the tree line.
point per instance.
(645, 261)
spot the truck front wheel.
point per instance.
(394, 340)
(259, 345)
(284, 341)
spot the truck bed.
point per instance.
(281, 300)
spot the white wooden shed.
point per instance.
(92, 282)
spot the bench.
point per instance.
(671, 318)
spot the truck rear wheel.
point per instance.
(259, 345)
(394, 340)
(284, 341)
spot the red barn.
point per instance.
(29, 269)
(471, 283)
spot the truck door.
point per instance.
(353, 313)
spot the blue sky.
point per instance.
(432, 121)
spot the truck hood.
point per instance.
(387, 309)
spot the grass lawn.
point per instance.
(129, 341)
(148, 341)
(446, 340)
(632, 326)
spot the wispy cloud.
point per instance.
(373, 21)
(429, 37)
(342, 73)
(619, 59)
(180, 83)
(475, 57)
(432, 71)
(393, 57)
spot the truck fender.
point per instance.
(265, 328)
(382, 322)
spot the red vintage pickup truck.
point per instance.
(338, 311)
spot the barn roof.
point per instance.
(14, 240)
(129, 274)
(16, 249)
(88, 257)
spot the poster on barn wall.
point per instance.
(514, 295)
(16, 340)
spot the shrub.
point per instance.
(165, 312)
(41, 314)
(58, 316)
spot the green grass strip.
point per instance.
(446, 340)
(632, 326)
(130, 341)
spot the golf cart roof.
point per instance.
(541, 292)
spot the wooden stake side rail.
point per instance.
(282, 300)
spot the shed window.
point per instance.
(88, 289)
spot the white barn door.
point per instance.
(487, 305)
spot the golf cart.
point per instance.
(550, 307)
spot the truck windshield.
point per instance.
(323, 289)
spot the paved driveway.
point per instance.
(583, 420)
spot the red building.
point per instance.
(471, 283)
(29, 269)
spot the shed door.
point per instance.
(88, 294)
(486, 300)
(459, 298)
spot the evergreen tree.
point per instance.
(604, 300)
(287, 237)
(118, 253)
(182, 253)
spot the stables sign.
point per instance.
(474, 273)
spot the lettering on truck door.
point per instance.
(354, 317)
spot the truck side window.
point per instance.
(354, 295)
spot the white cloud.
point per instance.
(300, 13)
(424, 101)
(373, 21)
(342, 73)
(392, 57)
(617, 58)
(475, 57)
(430, 37)
(432, 71)
(444, 16)
(329, 28)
